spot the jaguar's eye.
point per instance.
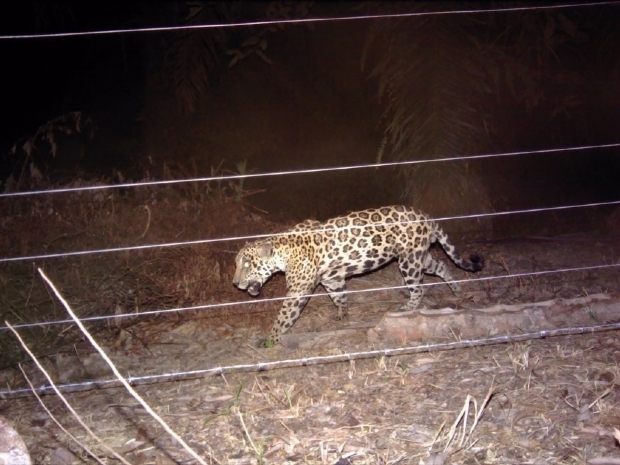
(246, 265)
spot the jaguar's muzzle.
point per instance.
(254, 288)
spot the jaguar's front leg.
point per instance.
(295, 302)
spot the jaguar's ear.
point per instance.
(266, 250)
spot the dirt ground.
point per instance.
(552, 400)
(170, 318)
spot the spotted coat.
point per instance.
(329, 252)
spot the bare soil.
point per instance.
(545, 401)
(552, 400)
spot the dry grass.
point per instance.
(546, 401)
(551, 401)
(113, 283)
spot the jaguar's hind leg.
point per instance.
(439, 268)
(335, 286)
(412, 269)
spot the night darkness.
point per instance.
(311, 107)
(481, 324)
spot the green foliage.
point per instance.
(257, 43)
(29, 156)
(528, 56)
(242, 169)
(193, 57)
(445, 80)
(194, 53)
(429, 74)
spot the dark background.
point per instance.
(168, 103)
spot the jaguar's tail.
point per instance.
(475, 262)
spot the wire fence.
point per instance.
(312, 360)
(309, 361)
(262, 366)
(232, 177)
(117, 317)
(287, 233)
(120, 316)
(300, 21)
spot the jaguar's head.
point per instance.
(254, 265)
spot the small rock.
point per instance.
(12, 447)
(62, 456)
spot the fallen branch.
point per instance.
(66, 402)
(118, 374)
(51, 415)
(324, 359)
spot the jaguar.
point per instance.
(329, 252)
